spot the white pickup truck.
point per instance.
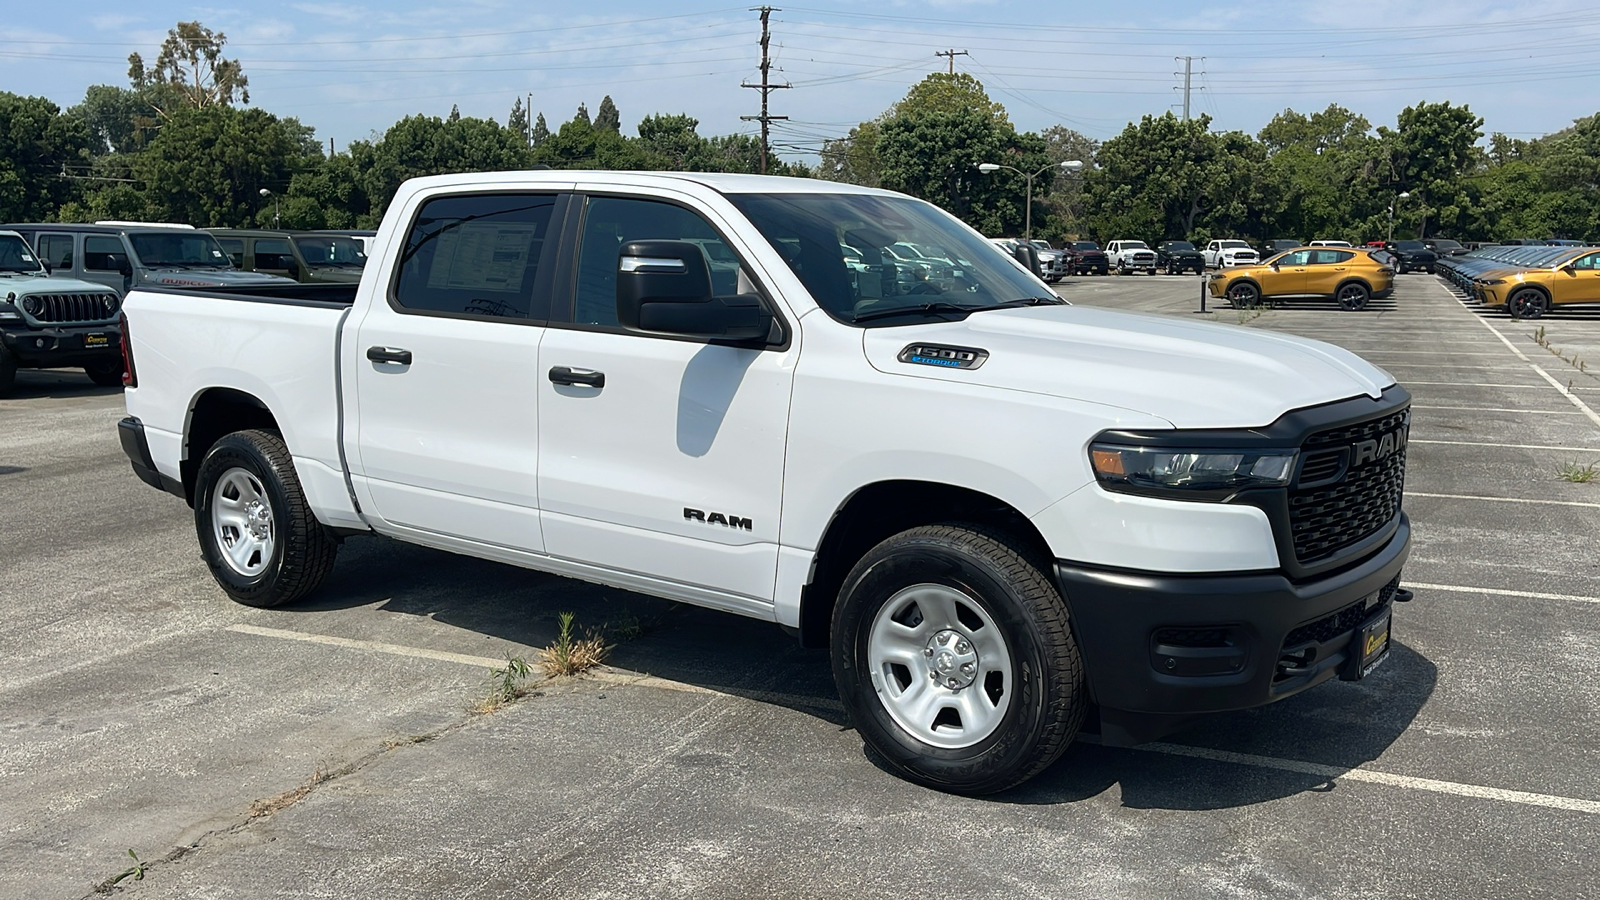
(999, 512)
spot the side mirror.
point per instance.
(664, 287)
(48, 269)
(124, 268)
(291, 267)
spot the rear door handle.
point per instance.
(566, 375)
(389, 355)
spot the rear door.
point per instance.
(1328, 268)
(446, 386)
(660, 456)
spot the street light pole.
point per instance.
(1071, 165)
(1398, 197)
(267, 193)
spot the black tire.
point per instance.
(301, 548)
(1352, 296)
(1244, 294)
(1527, 303)
(1044, 698)
(8, 371)
(108, 374)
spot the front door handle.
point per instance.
(566, 375)
(389, 355)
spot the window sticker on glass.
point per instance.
(483, 256)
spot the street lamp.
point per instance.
(1403, 195)
(267, 193)
(1071, 165)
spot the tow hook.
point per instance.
(1401, 595)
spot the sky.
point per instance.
(351, 68)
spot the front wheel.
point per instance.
(1527, 304)
(257, 532)
(1244, 295)
(954, 659)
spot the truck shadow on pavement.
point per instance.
(56, 384)
(1340, 725)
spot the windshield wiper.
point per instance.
(1028, 301)
(935, 306)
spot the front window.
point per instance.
(1587, 263)
(16, 255)
(341, 252)
(1409, 246)
(1085, 245)
(164, 250)
(1233, 245)
(815, 233)
(1179, 245)
(1134, 245)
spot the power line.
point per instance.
(766, 86)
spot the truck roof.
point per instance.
(720, 182)
(96, 229)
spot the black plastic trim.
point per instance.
(1116, 613)
(130, 431)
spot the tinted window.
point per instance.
(1297, 258)
(16, 255)
(235, 250)
(56, 249)
(1328, 257)
(102, 253)
(475, 255)
(1587, 263)
(171, 249)
(1408, 245)
(273, 253)
(1179, 245)
(1085, 245)
(609, 222)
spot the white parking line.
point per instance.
(626, 679)
(1537, 412)
(1508, 446)
(1502, 499)
(1476, 791)
(1528, 387)
(1498, 592)
(1571, 397)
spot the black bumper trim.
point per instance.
(131, 432)
(1116, 613)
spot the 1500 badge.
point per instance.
(716, 518)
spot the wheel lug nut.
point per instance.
(928, 652)
(944, 639)
(954, 684)
(967, 668)
(962, 646)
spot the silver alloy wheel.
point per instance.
(241, 518)
(940, 666)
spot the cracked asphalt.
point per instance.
(328, 749)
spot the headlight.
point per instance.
(1198, 474)
(1494, 281)
(32, 305)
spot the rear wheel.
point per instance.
(953, 656)
(1353, 296)
(257, 533)
(106, 374)
(1527, 304)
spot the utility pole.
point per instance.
(766, 87)
(1188, 70)
(952, 53)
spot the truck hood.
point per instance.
(1192, 374)
(201, 277)
(22, 283)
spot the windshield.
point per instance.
(1446, 245)
(1134, 245)
(1085, 245)
(1409, 245)
(159, 250)
(1179, 245)
(1231, 244)
(847, 248)
(331, 251)
(16, 256)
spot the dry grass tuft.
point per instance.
(571, 655)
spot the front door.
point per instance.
(446, 372)
(660, 456)
(1290, 277)
(1581, 284)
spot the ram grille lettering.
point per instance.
(1381, 448)
(716, 518)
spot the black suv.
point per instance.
(1412, 256)
(1177, 257)
(1272, 248)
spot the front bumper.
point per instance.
(62, 346)
(1160, 650)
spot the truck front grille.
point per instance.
(66, 308)
(1360, 502)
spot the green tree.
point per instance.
(853, 159)
(935, 156)
(579, 145)
(1062, 207)
(191, 66)
(608, 118)
(41, 151)
(540, 131)
(1166, 178)
(1313, 184)
(208, 165)
(946, 93)
(119, 120)
(517, 121)
(427, 145)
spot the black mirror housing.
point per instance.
(48, 269)
(664, 287)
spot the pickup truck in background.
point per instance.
(1177, 257)
(997, 512)
(1128, 257)
(1226, 254)
(1086, 258)
(52, 323)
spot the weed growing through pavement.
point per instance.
(1577, 362)
(571, 655)
(505, 685)
(1578, 473)
(135, 871)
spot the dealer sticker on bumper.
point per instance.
(97, 339)
(1369, 646)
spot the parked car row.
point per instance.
(1527, 280)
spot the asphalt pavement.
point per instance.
(331, 749)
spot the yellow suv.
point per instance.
(1348, 275)
(1530, 293)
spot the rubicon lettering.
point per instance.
(716, 518)
(1381, 448)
